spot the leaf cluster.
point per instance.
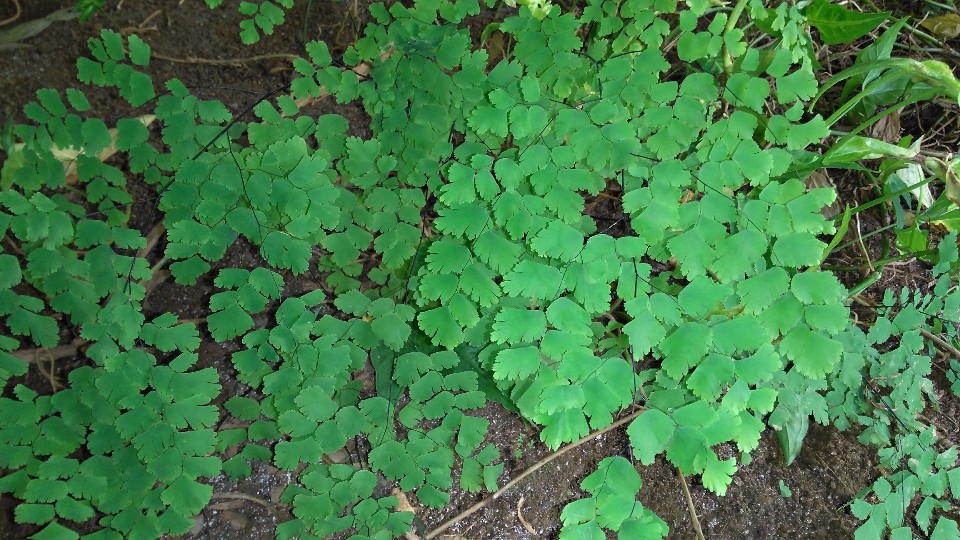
(456, 259)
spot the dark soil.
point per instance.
(829, 471)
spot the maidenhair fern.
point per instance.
(455, 260)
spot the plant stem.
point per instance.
(731, 24)
(693, 509)
(940, 342)
(469, 511)
(941, 6)
(927, 50)
(245, 497)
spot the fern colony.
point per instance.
(457, 260)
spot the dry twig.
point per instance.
(225, 61)
(943, 344)
(245, 497)
(34, 356)
(15, 16)
(690, 506)
(470, 511)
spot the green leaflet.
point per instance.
(471, 247)
(612, 505)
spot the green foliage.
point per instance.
(263, 16)
(838, 24)
(455, 263)
(613, 505)
(86, 8)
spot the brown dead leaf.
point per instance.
(818, 179)
(236, 520)
(11, 38)
(404, 504)
(887, 129)
(276, 493)
(945, 26)
(69, 155)
(338, 456)
(152, 238)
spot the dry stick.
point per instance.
(693, 509)
(244, 496)
(940, 342)
(49, 374)
(34, 356)
(151, 241)
(15, 16)
(225, 61)
(466, 513)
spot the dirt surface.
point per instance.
(831, 468)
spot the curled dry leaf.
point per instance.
(225, 505)
(945, 26)
(523, 521)
(952, 186)
(338, 456)
(12, 38)
(887, 129)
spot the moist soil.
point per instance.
(202, 48)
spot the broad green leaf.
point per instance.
(838, 24)
(797, 250)
(790, 425)
(717, 474)
(688, 450)
(684, 348)
(946, 529)
(817, 288)
(9, 271)
(392, 329)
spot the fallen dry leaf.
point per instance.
(236, 520)
(887, 129)
(404, 504)
(69, 155)
(945, 26)
(818, 179)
